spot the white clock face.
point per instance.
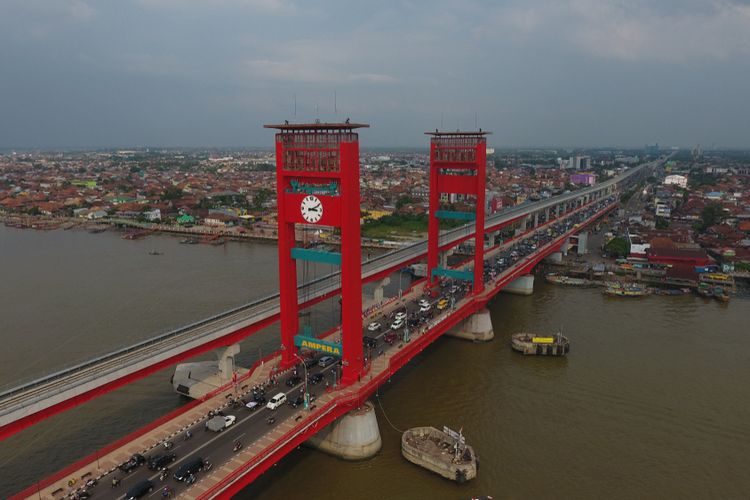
(311, 208)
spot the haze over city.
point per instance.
(88, 74)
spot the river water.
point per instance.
(651, 402)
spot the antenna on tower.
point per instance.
(441, 119)
(295, 105)
(475, 121)
(335, 107)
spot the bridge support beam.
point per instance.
(355, 436)
(377, 294)
(477, 327)
(198, 378)
(583, 241)
(523, 285)
(555, 258)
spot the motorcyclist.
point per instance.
(237, 445)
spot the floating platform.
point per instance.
(442, 452)
(561, 279)
(531, 344)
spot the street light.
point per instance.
(406, 324)
(306, 398)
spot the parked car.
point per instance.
(276, 401)
(425, 308)
(135, 461)
(424, 302)
(374, 327)
(326, 360)
(370, 341)
(159, 462)
(398, 324)
(442, 304)
(390, 337)
(400, 315)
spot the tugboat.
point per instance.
(531, 344)
(442, 452)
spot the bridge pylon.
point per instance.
(317, 184)
(458, 166)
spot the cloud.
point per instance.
(39, 19)
(278, 6)
(637, 30)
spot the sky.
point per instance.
(210, 73)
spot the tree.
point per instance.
(712, 214)
(619, 247)
(403, 201)
(260, 197)
(662, 223)
(171, 193)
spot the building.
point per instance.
(579, 162)
(586, 179)
(678, 180)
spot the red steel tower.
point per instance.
(457, 166)
(317, 182)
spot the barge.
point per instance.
(442, 452)
(531, 344)
(561, 279)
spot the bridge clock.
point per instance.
(311, 208)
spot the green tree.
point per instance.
(403, 201)
(712, 214)
(261, 196)
(171, 193)
(619, 247)
(662, 223)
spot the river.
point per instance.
(651, 402)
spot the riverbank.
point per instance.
(47, 223)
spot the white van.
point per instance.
(276, 401)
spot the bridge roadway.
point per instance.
(266, 443)
(36, 400)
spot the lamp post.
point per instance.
(406, 324)
(306, 398)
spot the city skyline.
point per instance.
(162, 73)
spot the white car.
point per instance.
(373, 327)
(424, 302)
(276, 401)
(399, 323)
(401, 315)
(229, 420)
(425, 308)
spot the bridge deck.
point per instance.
(269, 444)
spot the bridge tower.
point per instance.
(458, 162)
(317, 183)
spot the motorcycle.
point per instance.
(237, 446)
(164, 474)
(188, 435)
(168, 445)
(271, 420)
(207, 465)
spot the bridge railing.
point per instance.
(318, 286)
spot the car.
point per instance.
(326, 360)
(135, 461)
(294, 403)
(139, 489)
(424, 302)
(260, 399)
(370, 341)
(293, 380)
(229, 420)
(188, 469)
(442, 304)
(315, 378)
(398, 324)
(374, 327)
(252, 405)
(400, 315)
(310, 362)
(425, 308)
(276, 401)
(159, 462)
(390, 337)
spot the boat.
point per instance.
(561, 279)
(531, 344)
(720, 294)
(190, 241)
(154, 252)
(97, 230)
(672, 292)
(704, 291)
(632, 290)
(443, 452)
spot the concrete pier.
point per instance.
(355, 436)
(198, 378)
(523, 285)
(555, 258)
(477, 327)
